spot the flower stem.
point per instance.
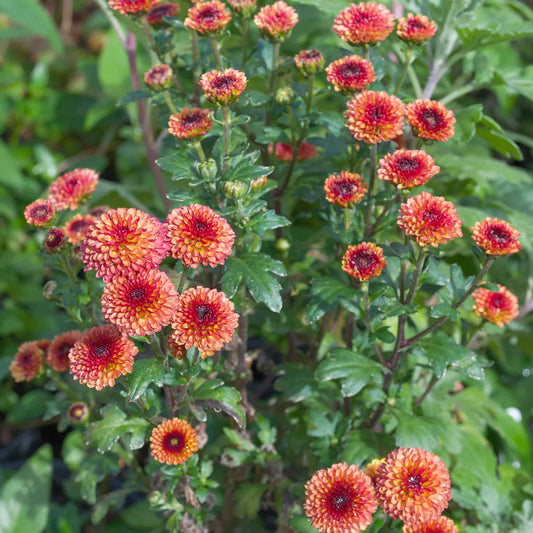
(169, 102)
(371, 186)
(226, 136)
(406, 63)
(272, 82)
(183, 278)
(199, 150)
(216, 51)
(195, 66)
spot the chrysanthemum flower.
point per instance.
(208, 17)
(199, 235)
(100, 356)
(57, 352)
(124, 240)
(191, 123)
(129, 7)
(178, 351)
(371, 469)
(28, 362)
(77, 227)
(140, 304)
(309, 61)
(54, 241)
(374, 117)
(364, 261)
(350, 73)
(173, 442)
(340, 499)
(223, 88)
(497, 307)
(407, 168)
(276, 21)
(345, 189)
(413, 485)
(70, 189)
(205, 318)
(158, 78)
(435, 525)
(365, 23)
(496, 237)
(415, 29)
(284, 152)
(431, 120)
(155, 17)
(78, 412)
(39, 213)
(243, 7)
(430, 219)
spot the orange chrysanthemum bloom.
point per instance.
(72, 188)
(77, 227)
(128, 7)
(415, 29)
(155, 17)
(340, 499)
(243, 7)
(364, 261)
(497, 307)
(191, 123)
(375, 116)
(371, 469)
(140, 304)
(435, 525)
(223, 88)
(345, 189)
(431, 120)
(199, 235)
(40, 213)
(350, 73)
(309, 61)
(158, 78)
(173, 442)
(413, 485)
(430, 219)
(276, 21)
(124, 240)
(496, 237)
(407, 168)
(57, 352)
(205, 318)
(365, 23)
(208, 17)
(28, 362)
(101, 355)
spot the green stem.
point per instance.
(434, 380)
(199, 150)
(347, 218)
(406, 63)
(169, 102)
(183, 278)
(216, 51)
(149, 37)
(272, 82)
(226, 136)
(195, 66)
(366, 52)
(368, 323)
(371, 186)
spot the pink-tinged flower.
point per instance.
(284, 152)
(365, 23)
(71, 189)
(205, 318)
(140, 304)
(415, 29)
(28, 362)
(57, 352)
(364, 261)
(407, 168)
(77, 227)
(173, 442)
(155, 17)
(276, 21)
(78, 412)
(191, 123)
(199, 235)
(129, 7)
(158, 78)
(40, 213)
(124, 241)
(243, 7)
(340, 499)
(223, 88)
(309, 62)
(374, 117)
(350, 73)
(208, 17)
(431, 120)
(413, 485)
(496, 237)
(100, 356)
(435, 525)
(55, 241)
(498, 307)
(345, 189)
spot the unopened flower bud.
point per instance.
(244, 7)
(208, 169)
(235, 189)
(309, 62)
(258, 183)
(49, 290)
(156, 16)
(78, 412)
(282, 245)
(159, 78)
(285, 95)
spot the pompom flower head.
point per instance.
(173, 442)
(156, 16)
(407, 168)
(415, 29)
(340, 499)
(223, 88)
(71, 189)
(208, 17)
(276, 21)
(158, 78)
(57, 352)
(191, 123)
(431, 220)
(496, 237)
(77, 227)
(309, 62)
(431, 120)
(345, 189)
(350, 73)
(364, 261)
(40, 213)
(435, 525)
(498, 307)
(28, 362)
(130, 7)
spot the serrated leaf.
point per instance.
(267, 220)
(444, 310)
(178, 164)
(133, 96)
(214, 395)
(144, 373)
(296, 382)
(501, 143)
(475, 38)
(242, 167)
(417, 431)
(327, 294)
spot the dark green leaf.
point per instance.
(248, 498)
(475, 38)
(266, 220)
(417, 431)
(133, 96)
(144, 373)
(30, 407)
(444, 309)
(296, 382)
(501, 143)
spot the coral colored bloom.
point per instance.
(345, 189)
(431, 120)
(365, 23)
(199, 235)
(223, 88)
(415, 29)
(371, 469)
(124, 240)
(28, 362)
(284, 152)
(77, 227)
(243, 7)
(191, 123)
(364, 261)
(70, 189)
(208, 17)
(374, 117)
(205, 318)
(155, 17)
(140, 304)
(435, 525)
(496, 237)
(413, 485)
(100, 356)
(350, 73)
(340, 499)
(407, 168)
(309, 61)
(128, 7)
(173, 442)
(158, 78)
(497, 307)
(276, 21)
(39, 213)
(57, 352)
(55, 241)
(429, 219)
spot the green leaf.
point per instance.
(467, 119)
(501, 143)
(248, 498)
(178, 164)
(133, 96)
(266, 220)
(30, 407)
(327, 294)
(242, 167)
(332, 7)
(442, 310)
(360, 446)
(475, 38)
(296, 382)
(144, 373)
(417, 431)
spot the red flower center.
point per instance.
(64, 349)
(413, 484)
(350, 70)
(138, 295)
(345, 188)
(363, 260)
(101, 351)
(376, 113)
(223, 82)
(431, 118)
(80, 226)
(192, 118)
(433, 217)
(208, 14)
(408, 164)
(174, 442)
(40, 211)
(340, 500)
(54, 238)
(204, 313)
(499, 235)
(498, 301)
(415, 24)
